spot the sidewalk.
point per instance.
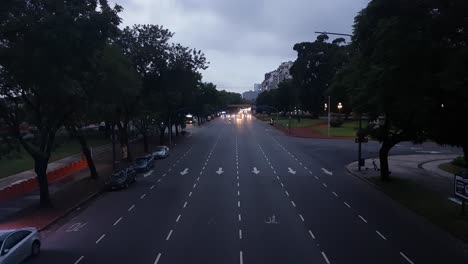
(417, 182)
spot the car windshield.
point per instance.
(140, 161)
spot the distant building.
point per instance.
(257, 87)
(250, 95)
(272, 79)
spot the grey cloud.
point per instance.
(243, 39)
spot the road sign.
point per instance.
(363, 140)
(461, 186)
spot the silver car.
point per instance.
(161, 152)
(18, 244)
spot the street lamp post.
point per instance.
(339, 107)
(329, 116)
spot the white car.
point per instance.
(18, 244)
(161, 152)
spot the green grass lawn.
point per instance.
(348, 129)
(303, 123)
(22, 161)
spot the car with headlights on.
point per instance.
(121, 179)
(160, 152)
(16, 245)
(144, 163)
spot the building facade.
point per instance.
(274, 78)
(250, 95)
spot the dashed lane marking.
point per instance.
(185, 204)
(325, 257)
(78, 260)
(406, 258)
(143, 196)
(178, 218)
(349, 206)
(118, 220)
(302, 218)
(157, 258)
(363, 219)
(380, 234)
(293, 203)
(311, 234)
(169, 235)
(131, 207)
(334, 193)
(100, 238)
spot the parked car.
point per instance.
(144, 163)
(18, 244)
(160, 152)
(121, 178)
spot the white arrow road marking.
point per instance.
(184, 171)
(148, 173)
(327, 172)
(291, 171)
(220, 171)
(255, 170)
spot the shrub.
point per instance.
(459, 161)
(336, 122)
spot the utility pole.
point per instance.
(329, 116)
(360, 137)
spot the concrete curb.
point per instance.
(70, 210)
(363, 178)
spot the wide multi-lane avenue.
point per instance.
(242, 192)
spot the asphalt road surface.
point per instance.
(242, 192)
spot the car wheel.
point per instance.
(36, 248)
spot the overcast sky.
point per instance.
(243, 39)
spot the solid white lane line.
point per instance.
(240, 233)
(311, 234)
(131, 207)
(152, 186)
(325, 257)
(178, 218)
(143, 196)
(240, 218)
(190, 194)
(334, 193)
(185, 204)
(349, 206)
(325, 185)
(157, 258)
(169, 235)
(78, 260)
(380, 234)
(241, 258)
(238, 203)
(293, 204)
(118, 220)
(363, 219)
(286, 193)
(407, 259)
(302, 218)
(99, 240)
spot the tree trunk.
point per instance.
(113, 146)
(176, 130)
(465, 153)
(123, 137)
(383, 156)
(87, 153)
(40, 167)
(161, 135)
(145, 142)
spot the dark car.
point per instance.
(160, 152)
(121, 179)
(144, 163)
